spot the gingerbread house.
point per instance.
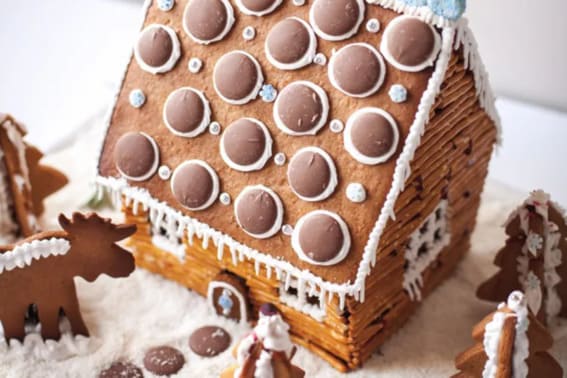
(24, 182)
(326, 156)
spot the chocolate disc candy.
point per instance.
(410, 44)
(321, 238)
(209, 341)
(312, 174)
(186, 112)
(371, 136)
(259, 211)
(258, 7)
(208, 21)
(301, 108)
(136, 156)
(164, 360)
(195, 185)
(357, 70)
(238, 77)
(291, 44)
(121, 370)
(336, 20)
(246, 145)
(157, 49)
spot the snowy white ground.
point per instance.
(126, 317)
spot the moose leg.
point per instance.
(13, 325)
(73, 312)
(49, 319)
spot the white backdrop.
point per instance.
(60, 59)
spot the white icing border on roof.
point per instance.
(454, 36)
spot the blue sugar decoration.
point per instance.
(137, 98)
(398, 93)
(268, 93)
(416, 3)
(450, 9)
(166, 5)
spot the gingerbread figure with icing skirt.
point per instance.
(326, 156)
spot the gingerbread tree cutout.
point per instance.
(534, 259)
(510, 342)
(267, 351)
(38, 272)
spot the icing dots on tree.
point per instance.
(195, 185)
(208, 21)
(302, 108)
(237, 77)
(312, 174)
(186, 112)
(336, 20)
(136, 156)
(410, 44)
(258, 7)
(371, 136)
(246, 145)
(291, 44)
(321, 238)
(259, 211)
(357, 70)
(157, 49)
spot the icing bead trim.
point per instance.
(206, 114)
(335, 38)
(259, 82)
(260, 163)
(249, 12)
(214, 177)
(225, 199)
(333, 178)
(175, 52)
(355, 153)
(280, 159)
(385, 49)
(305, 60)
(280, 211)
(249, 33)
(164, 172)
(320, 59)
(379, 82)
(346, 241)
(356, 192)
(23, 254)
(373, 25)
(215, 128)
(195, 65)
(229, 23)
(325, 113)
(337, 126)
(137, 98)
(154, 167)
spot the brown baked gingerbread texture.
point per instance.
(308, 204)
(512, 321)
(37, 273)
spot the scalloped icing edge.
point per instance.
(455, 35)
(22, 255)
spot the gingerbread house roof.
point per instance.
(268, 128)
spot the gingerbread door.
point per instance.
(228, 296)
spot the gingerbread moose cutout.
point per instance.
(40, 270)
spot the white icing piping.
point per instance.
(260, 163)
(333, 179)
(229, 22)
(299, 302)
(23, 254)
(305, 60)
(279, 217)
(250, 12)
(345, 249)
(119, 187)
(417, 264)
(355, 153)
(206, 114)
(385, 48)
(350, 33)
(491, 342)
(324, 105)
(259, 81)
(423, 12)
(175, 51)
(378, 83)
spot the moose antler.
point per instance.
(103, 226)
